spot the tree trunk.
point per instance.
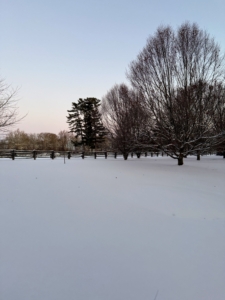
(125, 156)
(138, 154)
(180, 160)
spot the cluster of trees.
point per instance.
(20, 140)
(176, 102)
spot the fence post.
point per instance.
(82, 155)
(34, 154)
(105, 154)
(95, 155)
(157, 154)
(146, 154)
(132, 154)
(151, 154)
(115, 155)
(52, 155)
(69, 155)
(13, 154)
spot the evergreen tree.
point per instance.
(84, 120)
(74, 120)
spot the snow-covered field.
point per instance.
(112, 229)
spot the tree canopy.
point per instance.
(9, 115)
(178, 73)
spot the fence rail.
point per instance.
(34, 154)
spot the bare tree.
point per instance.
(218, 113)
(125, 119)
(33, 141)
(42, 141)
(64, 140)
(17, 140)
(9, 115)
(47, 141)
(174, 73)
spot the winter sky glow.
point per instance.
(59, 51)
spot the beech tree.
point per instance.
(175, 73)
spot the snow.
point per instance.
(112, 229)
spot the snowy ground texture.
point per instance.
(112, 229)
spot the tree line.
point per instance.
(175, 102)
(176, 99)
(20, 140)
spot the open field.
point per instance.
(112, 229)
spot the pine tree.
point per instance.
(74, 120)
(84, 120)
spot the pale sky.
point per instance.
(59, 51)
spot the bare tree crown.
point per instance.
(179, 74)
(9, 114)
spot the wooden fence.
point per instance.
(34, 154)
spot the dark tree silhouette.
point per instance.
(85, 122)
(9, 115)
(174, 73)
(125, 119)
